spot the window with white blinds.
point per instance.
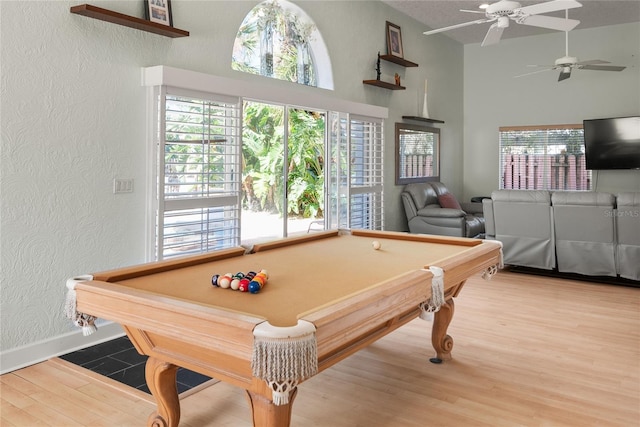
(356, 172)
(543, 158)
(198, 175)
(366, 174)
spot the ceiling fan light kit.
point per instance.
(505, 11)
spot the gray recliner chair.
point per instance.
(628, 229)
(432, 209)
(523, 222)
(585, 232)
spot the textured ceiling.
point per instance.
(438, 13)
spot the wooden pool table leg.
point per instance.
(442, 342)
(266, 414)
(161, 380)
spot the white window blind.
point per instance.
(356, 173)
(198, 175)
(366, 154)
(543, 158)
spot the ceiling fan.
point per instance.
(505, 10)
(567, 63)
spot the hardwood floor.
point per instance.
(529, 351)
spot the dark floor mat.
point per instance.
(119, 360)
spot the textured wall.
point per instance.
(70, 125)
(72, 120)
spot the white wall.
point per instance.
(494, 98)
(72, 120)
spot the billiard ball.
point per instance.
(225, 281)
(244, 285)
(376, 245)
(254, 287)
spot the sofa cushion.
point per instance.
(448, 200)
(422, 194)
(589, 198)
(523, 196)
(435, 211)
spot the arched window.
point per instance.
(278, 39)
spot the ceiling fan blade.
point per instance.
(602, 67)
(472, 11)
(564, 75)
(493, 36)
(452, 27)
(560, 24)
(593, 62)
(550, 6)
(533, 72)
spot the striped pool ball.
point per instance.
(225, 281)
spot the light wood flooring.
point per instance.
(529, 351)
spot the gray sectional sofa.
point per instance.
(590, 233)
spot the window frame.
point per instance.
(411, 168)
(314, 44)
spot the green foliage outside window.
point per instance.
(264, 161)
(195, 156)
(274, 42)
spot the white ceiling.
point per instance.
(442, 13)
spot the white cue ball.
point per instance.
(376, 245)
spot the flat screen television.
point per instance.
(612, 143)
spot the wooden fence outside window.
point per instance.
(545, 172)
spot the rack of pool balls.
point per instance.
(251, 282)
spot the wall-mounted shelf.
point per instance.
(383, 84)
(422, 119)
(128, 21)
(399, 61)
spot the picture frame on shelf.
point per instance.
(158, 11)
(394, 40)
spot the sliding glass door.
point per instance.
(229, 171)
(283, 171)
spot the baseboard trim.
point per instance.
(608, 280)
(30, 354)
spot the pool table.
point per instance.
(328, 295)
